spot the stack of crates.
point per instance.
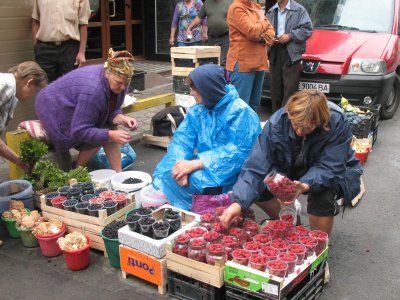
(186, 59)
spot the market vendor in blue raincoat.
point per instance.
(211, 144)
(308, 141)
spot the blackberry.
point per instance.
(87, 197)
(108, 204)
(147, 221)
(133, 218)
(144, 211)
(82, 205)
(161, 225)
(110, 231)
(95, 206)
(70, 202)
(131, 180)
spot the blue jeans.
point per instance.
(248, 85)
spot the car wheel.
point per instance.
(391, 104)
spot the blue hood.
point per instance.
(210, 81)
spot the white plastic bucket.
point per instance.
(117, 179)
(148, 197)
(102, 177)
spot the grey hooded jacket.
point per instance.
(298, 26)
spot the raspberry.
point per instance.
(252, 246)
(262, 238)
(96, 200)
(218, 227)
(277, 268)
(302, 230)
(107, 194)
(182, 239)
(211, 236)
(270, 252)
(280, 244)
(259, 262)
(195, 232)
(292, 237)
(207, 218)
(220, 210)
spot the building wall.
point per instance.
(16, 47)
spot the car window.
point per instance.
(359, 15)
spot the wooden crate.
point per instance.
(88, 225)
(144, 266)
(213, 275)
(194, 53)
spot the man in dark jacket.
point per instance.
(292, 28)
(308, 141)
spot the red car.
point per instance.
(353, 52)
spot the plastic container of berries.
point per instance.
(218, 227)
(230, 243)
(180, 245)
(300, 252)
(214, 253)
(310, 243)
(253, 247)
(259, 262)
(197, 249)
(277, 228)
(280, 244)
(206, 220)
(322, 239)
(263, 239)
(292, 237)
(219, 211)
(212, 237)
(241, 256)
(290, 259)
(281, 187)
(196, 232)
(277, 268)
(270, 253)
(238, 233)
(251, 228)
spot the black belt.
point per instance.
(70, 41)
(219, 36)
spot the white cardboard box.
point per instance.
(153, 247)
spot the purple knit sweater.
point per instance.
(73, 108)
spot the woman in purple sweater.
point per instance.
(82, 109)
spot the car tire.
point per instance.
(390, 105)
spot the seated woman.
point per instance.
(82, 109)
(309, 141)
(212, 142)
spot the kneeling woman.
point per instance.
(211, 144)
(82, 109)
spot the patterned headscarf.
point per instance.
(120, 63)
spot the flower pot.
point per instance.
(78, 259)
(48, 242)
(111, 242)
(27, 238)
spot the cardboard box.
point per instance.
(153, 247)
(262, 282)
(213, 275)
(143, 266)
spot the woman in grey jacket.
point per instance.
(308, 141)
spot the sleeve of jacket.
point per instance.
(250, 184)
(330, 168)
(238, 17)
(303, 29)
(223, 161)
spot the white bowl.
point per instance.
(117, 179)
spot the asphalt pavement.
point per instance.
(363, 256)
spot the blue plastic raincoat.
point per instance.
(223, 137)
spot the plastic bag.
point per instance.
(202, 204)
(100, 160)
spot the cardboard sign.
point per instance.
(143, 266)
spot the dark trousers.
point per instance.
(56, 59)
(223, 42)
(284, 78)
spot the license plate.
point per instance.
(322, 87)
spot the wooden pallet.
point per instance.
(194, 53)
(144, 266)
(88, 225)
(213, 275)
